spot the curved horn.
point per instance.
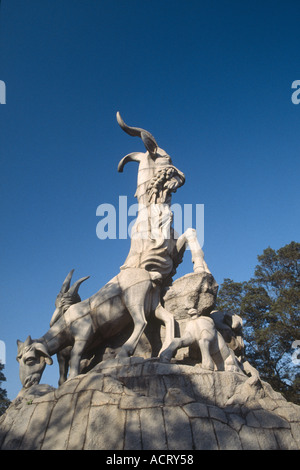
(66, 284)
(148, 139)
(74, 288)
(131, 157)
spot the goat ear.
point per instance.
(27, 341)
(43, 351)
(19, 354)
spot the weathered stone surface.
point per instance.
(284, 440)
(266, 439)
(196, 410)
(133, 438)
(153, 429)
(178, 429)
(228, 438)
(295, 428)
(176, 397)
(154, 406)
(218, 414)
(266, 419)
(128, 402)
(235, 421)
(193, 290)
(13, 439)
(80, 421)
(249, 439)
(203, 434)
(35, 433)
(106, 428)
(58, 429)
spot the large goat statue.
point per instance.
(135, 293)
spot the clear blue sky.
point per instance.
(211, 80)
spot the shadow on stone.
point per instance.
(146, 405)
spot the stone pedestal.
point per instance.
(141, 404)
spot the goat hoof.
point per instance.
(164, 359)
(123, 354)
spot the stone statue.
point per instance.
(191, 389)
(153, 244)
(230, 325)
(135, 293)
(65, 298)
(201, 330)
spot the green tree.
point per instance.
(230, 296)
(4, 401)
(269, 304)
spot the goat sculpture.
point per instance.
(66, 297)
(201, 330)
(135, 292)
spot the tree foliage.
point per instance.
(4, 401)
(269, 304)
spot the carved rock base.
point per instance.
(138, 404)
